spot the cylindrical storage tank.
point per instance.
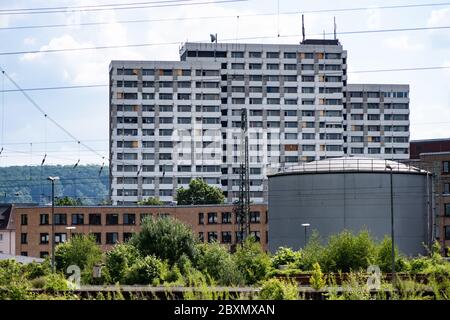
(353, 194)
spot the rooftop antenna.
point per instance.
(334, 18)
(213, 37)
(323, 34)
(303, 27)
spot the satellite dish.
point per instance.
(213, 37)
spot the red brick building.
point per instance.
(113, 224)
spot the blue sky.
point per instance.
(84, 112)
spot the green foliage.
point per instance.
(384, 257)
(147, 270)
(95, 191)
(166, 238)
(317, 280)
(35, 270)
(312, 253)
(119, 259)
(215, 260)
(346, 252)
(277, 289)
(55, 282)
(252, 261)
(199, 192)
(286, 256)
(13, 282)
(151, 201)
(81, 251)
(68, 201)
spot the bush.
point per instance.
(252, 261)
(81, 251)
(276, 289)
(312, 253)
(55, 282)
(347, 252)
(13, 283)
(286, 256)
(384, 257)
(215, 260)
(119, 260)
(317, 279)
(147, 270)
(166, 238)
(35, 270)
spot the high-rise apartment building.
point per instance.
(174, 121)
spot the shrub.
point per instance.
(252, 261)
(55, 282)
(166, 238)
(119, 260)
(35, 270)
(285, 256)
(13, 283)
(81, 251)
(317, 279)
(347, 252)
(384, 257)
(215, 260)
(147, 270)
(313, 252)
(276, 289)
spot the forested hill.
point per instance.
(29, 184)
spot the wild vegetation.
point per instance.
(167, 254)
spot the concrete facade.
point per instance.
(335, 197)
(171, 121)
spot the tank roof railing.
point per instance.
(347, 164)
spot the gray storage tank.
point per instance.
(350, 193)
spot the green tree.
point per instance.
(166, 238)
(312, 253)
(199, 192)
(348, 252)
(252, 261)
(277, 289)
(215, 260)
(147, 270)
(119, 260)
(151, 201)
(68, 201)
(317, 279)
(81, 251)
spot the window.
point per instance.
(129, 218)
(77, 218)
(239, 236)
(447, 232)
(237, 66)
(256, 235)
(60, 219)
(290, 66)
(24, 253)
(237, 54)
(226, 217)
(60, 237)
(290, 55)
(226, 236)
(43, 238)
(44, 219)
(447, 209)
(272, 55)
(446, 188)
(445, 166)
(212, 236)
(254, 54)
(127, 236)
(273, 66)
(43, 254)
(112, 219)
(23, 238)
(112, 237)
(255, 217)
(307, 89)
(23, 219)
(98, 237)
(201, 218)
(201, 237)
(95, 219)
(212, 217)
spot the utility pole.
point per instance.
(392, 224)
(53, 179)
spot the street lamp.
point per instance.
(305, 225)
(70, 230)
(392, 224)
(53, 179)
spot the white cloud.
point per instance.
(439, 17)
(373, 20)
(404, 43)
(28, 41)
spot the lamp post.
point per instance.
(70, 230)
(392, 224)
(53, 179)
(305, 225)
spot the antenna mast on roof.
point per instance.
(303, 28)
(334, 28)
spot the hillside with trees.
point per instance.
(28, 184)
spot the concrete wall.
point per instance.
(332, 202)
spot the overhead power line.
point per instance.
(230, 39)
(159, 4)
(331, 72)
(48, 117)
(209, 17)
